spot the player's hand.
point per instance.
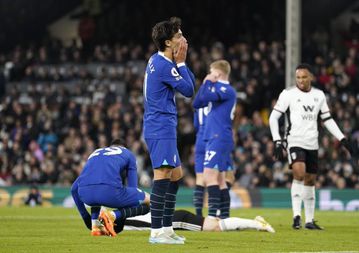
(213, 77)
(278, 150)
(346, 144)
(181, 53)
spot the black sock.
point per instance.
(198, 199)
(170, 202)
(214, 200)
(128, 212)
(95, 212)
(225, 203)
(157, 201)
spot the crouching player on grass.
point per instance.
(100, 184)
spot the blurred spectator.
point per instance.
(59, 110)
(34, 198)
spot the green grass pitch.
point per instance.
(58, 229)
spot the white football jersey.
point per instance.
(302, 110)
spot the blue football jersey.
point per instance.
(105, 165)
(199, 121)
(162, 79)
(220, 97)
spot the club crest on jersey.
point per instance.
(223, 89)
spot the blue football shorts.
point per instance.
(218, 155)
(200, 151)
(163, 153)
(111, 196)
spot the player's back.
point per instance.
(221, 113)
(104, 166)
(160, 116)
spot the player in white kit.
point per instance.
(303, 105)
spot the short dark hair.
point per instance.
(118, 142)
(165, 30)
(305, 66)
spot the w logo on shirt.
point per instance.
(308, 108)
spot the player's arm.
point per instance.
(80, 205)
(280, 107)
(278, 110)
(132, 172)
(332, 126)
(329, 122)
(185, 81)
(178, 78)
(213, 93)
(195, 120)
(198, 102)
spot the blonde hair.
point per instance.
(222, 65)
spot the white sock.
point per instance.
(309, 202)
(95, 223)
(234, 223)
(297, 195)
(168, 230)
(156, 231)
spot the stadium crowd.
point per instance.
(60, 106)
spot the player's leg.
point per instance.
(230, 178)
(198, 193)
(227, 167)
(98, 228)
(91, 196)
(225, 198)
(211, 164)
(170, 203)
(186, 220)
(214, 193)
(235, 223)
(309, 189)
(297, 164)
(129, 202)
(164, 157)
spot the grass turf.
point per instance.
(58, 229)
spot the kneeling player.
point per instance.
(100, 184)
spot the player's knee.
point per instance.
(309, 180)
(210, 176)
(162, 173)
(177, 174)
(199, 179)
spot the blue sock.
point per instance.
(157, 201)
(131, 211)
(95, 212)
(225, 203)
(198, 199)
(214, 200)
(170, 202)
